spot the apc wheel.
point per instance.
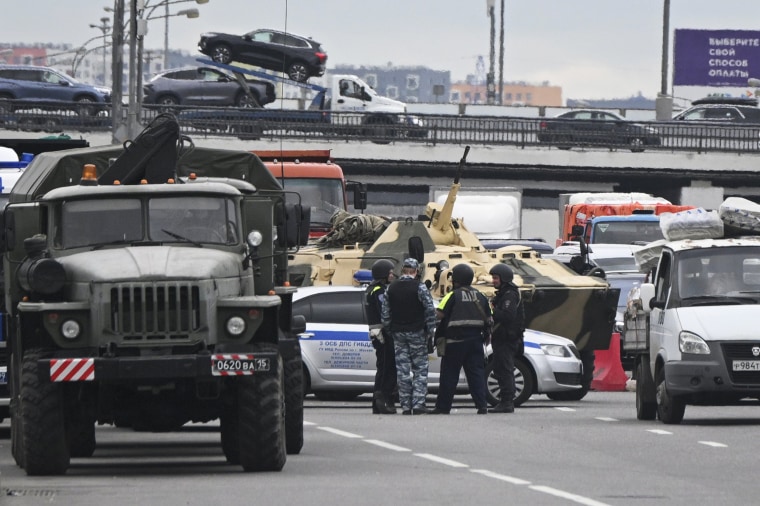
(294, 404)
(646, 402)
(261, 421)
(43, 425)
(298, 71)
(670, 409)
(222, 53)
(525, 384)
(637, 145)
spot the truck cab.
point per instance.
(695, 327)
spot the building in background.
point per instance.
(520, 93)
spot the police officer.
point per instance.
(507, 335)
(409, 313)
(382, 341)
(466, 316)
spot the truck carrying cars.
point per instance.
(613, 218)
(175, 308)
(349, 104)
(693, 326)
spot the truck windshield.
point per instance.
(626, 232)
(322, 196)
(99, 222)
(719, 272)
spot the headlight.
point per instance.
(619, 327)
(689, 342)
(255, 238)
(555, 350)
(70, 329)
(235, 326)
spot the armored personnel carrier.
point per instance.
(557, 299)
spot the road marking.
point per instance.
(340, 432)
(566, 495)
(562, 408)
(606, 419)
(713, 443)
(508, 479)
(387, 446)
(659, 431)
(440, 460)
(308, 423)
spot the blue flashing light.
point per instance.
(363, 276)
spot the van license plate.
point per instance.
(746, 365)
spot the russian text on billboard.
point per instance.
(715, 57)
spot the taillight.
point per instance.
(322, 57)
(542, 125)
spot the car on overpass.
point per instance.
(593, 127)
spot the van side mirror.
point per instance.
(646, 294)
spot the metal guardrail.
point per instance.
(348, 126)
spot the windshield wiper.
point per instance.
(181, 237)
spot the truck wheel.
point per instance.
(646, 400)
(379, 130)
(524, 384)
(670, 409)
(294, 404)
(80, 434)
(44, 435)
(261, 419)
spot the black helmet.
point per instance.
(381, 269)
(462, 275)
(503, 271)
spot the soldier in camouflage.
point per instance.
(408, 313)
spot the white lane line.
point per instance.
(660, 432)
(440, 460)
(502, 477)
(713, 443)
(340, 432)
(387, 446)
(562, 408)
(606, 419)
(566, 495)
(308, 423)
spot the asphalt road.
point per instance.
(591, 452)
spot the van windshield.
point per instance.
(719, 272)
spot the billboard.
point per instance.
(715, 57)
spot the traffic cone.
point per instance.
(609, 375)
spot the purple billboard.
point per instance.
(715, 57)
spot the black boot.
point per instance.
(380, 406)
(503, 407)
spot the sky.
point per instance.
(593, 49)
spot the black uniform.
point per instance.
(385, 377)
(507, 339)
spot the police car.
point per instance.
(339, 360)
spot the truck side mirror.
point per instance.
(576, 231)
(360, 196)
(646, 294)
(294, 229)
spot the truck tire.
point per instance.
(525, 383)
(379, 129)
(646, 399)
(261, 421)
(44, 434)
(670, 409)
(294, 404)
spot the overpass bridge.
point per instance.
(399, 175)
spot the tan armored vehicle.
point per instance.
(557, 299)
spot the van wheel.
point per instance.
(646, 401)
(670, 409)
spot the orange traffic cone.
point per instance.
(609, 375)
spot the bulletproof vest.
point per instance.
(467, 310)
(372, 303)
(407, 312)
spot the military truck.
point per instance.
(557, 299)
(151, 305)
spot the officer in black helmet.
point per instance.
(507, 334)
(465, 317)
(382, 341)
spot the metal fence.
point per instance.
(434, 128)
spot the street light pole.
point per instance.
(117, 62)
(664, 103)
(501, 57)
(490, 85)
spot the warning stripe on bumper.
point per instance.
(72, 369)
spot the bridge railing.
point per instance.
(433, 129)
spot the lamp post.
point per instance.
(490, 78)
(664, 103)
(105, 30)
